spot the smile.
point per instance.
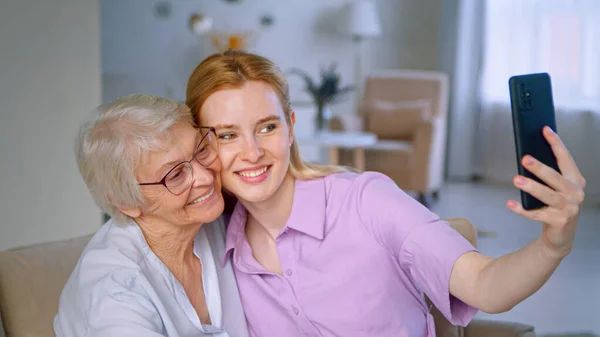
(204, 197)
(254, 175)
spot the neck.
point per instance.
(273, 213)
(173, 245)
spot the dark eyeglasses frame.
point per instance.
(163, 181)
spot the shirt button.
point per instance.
(296, 311)
(288, 272)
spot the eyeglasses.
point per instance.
(180, 177)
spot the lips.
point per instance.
(204, 197)
(255, 174)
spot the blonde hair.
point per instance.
(110, 145)
(232, 69)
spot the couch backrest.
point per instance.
(409, 85)
(31, 280)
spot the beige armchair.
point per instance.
(407, 110)
(32, 278)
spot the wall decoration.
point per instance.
(237, 41)
(162, 10)
(267, 20)
(200, 24)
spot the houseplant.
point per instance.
(324, 92)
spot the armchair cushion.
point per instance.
(396, 119)
(498, 329)
(31, 280)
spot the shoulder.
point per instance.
(115, 247)
(360, 187)
(368, 195)
(378, 204)
(110, 264)
(351, 180)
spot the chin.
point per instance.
(253, 194)
(210, 211)
(255, 197)
(255, 190)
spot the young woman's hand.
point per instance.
(564, 196)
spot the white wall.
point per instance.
(49, 78)
(142, 52)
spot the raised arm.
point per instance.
(497, 285)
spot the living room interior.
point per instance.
(422, 97)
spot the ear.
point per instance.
(293, 116)
(133, 212)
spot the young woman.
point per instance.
(320, 251)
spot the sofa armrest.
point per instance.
(488, 328)
(422, 146)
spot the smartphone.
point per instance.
(532, 108)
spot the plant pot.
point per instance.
(322, 118)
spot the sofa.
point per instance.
(32, 278)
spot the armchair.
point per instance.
(406, 109)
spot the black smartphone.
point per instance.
(532, 108)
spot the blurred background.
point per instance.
(428, 104)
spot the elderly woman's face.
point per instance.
(202, 201)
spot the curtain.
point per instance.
(562, 38)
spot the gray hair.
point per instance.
(111, 143)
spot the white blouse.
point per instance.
(121, 288)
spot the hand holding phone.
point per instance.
(532, 108)
(548, 175)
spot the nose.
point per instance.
(202, 176)
(251, 150)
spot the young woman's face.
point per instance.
(254, 139)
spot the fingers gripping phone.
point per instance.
(532, 108)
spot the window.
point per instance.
(560, 37)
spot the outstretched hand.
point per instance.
(564, 196)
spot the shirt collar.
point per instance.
(307, 215)
(308, 209)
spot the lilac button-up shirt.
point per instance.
(357, 255)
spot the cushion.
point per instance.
(396, 119)
(31, 281)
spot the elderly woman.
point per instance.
(154, 268)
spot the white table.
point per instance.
(336, 140)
